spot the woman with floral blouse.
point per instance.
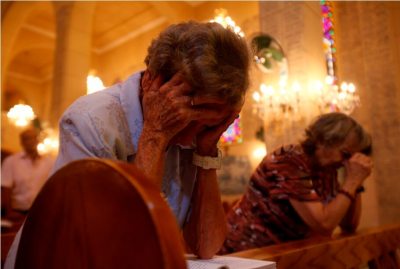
(294, 193)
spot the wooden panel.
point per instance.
(341, 251)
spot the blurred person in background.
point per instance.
(22, 176)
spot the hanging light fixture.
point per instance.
(21, 115)
(94, 84)
(49, 142)
(226, 21)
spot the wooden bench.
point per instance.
(6, 241)
(100, 214)
(376, 247)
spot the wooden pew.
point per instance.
(6, 241)
(373, 246)
(100, 214)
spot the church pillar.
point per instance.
(72, 55)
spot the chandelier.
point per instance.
(94, 84)
(49, 142)
(276, 102)
(226, 21)
(332, 97)
(21, 115)
(295, 101)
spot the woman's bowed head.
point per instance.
(336, 139)
(194, 85)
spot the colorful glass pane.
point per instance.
(233, 134)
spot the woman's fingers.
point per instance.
(362, 159)
(358, 167)
(206, 100)
(156, 84)
(176, 80)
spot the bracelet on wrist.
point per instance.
(207, 162)
(347, 194)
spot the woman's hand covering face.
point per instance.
(170, 110)
(208, 138)
(212, 116)
(166, 107)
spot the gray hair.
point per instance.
(332, 129)
(214, 61)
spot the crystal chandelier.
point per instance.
(49, 142)
(332, 97)
(94, 84)
(226, 21)
(296, 102)
(275, 103)
(21, 115)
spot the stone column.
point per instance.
(73, 54)
(368, 38)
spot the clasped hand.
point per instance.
(358, 168)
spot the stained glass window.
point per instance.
(329, 37)
(233, 134)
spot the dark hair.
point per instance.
(214, 61)
(29, 132)
(332, 129)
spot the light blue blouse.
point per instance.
(108, 124)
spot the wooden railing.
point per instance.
(376, 247)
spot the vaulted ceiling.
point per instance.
(32, 53)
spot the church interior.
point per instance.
(308, 58)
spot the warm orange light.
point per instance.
(21, 115)
(94, 84)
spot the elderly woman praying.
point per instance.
(294, 193)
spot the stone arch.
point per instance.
(12, 21)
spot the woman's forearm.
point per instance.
(150, 156)
(206, 228)
(352, 218)
(324, 218)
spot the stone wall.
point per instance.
(368, 40)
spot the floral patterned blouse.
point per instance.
(264, 215)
